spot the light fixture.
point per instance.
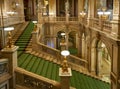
(9, 42)
(62, 42)
(35, 25)
(65, 53)
(11, 13)
(35, 22)
(51, 14)
(103, 14)
(63, 34)
(82, 14)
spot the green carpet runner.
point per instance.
(49, 69)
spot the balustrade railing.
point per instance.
(58, 58)
(3, 66)
(34, 81)
(7, 21)
(101, 25)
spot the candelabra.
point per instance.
(103, 14)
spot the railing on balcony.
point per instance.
(11, 20)
(101, 25)
(51, 19)
(34, 81)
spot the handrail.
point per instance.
(101, 25)
(31, 80)
(57, 56)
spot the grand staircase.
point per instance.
(43, 65)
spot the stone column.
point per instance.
(83, 46)
(80, 6)
(52, 6)
(11, 54)
(91, 10)
(67, 40)
(98, 63)
(77, 44)
(116, 19)
(65, 78)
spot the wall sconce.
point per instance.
(62, 34)
(35, 25)
(103, 14)
(82, 14)
(11, 13)
(51, 14)
(9, 42)
(65, 53)
(63, 43)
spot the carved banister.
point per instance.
(57, 56)
(34, 81)
(102, 25)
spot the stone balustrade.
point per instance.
(33, 81)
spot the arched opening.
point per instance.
(72, 43)
(60, 41)
(100, 60)
(103, 61)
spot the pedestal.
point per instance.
(11, 55)
(65, 78)
(34, 40)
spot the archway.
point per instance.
(100, 60)
(103, 61)
(72, 42)
(60, 40)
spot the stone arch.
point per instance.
(103, 61)
(98, 58)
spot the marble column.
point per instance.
(91, 11)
